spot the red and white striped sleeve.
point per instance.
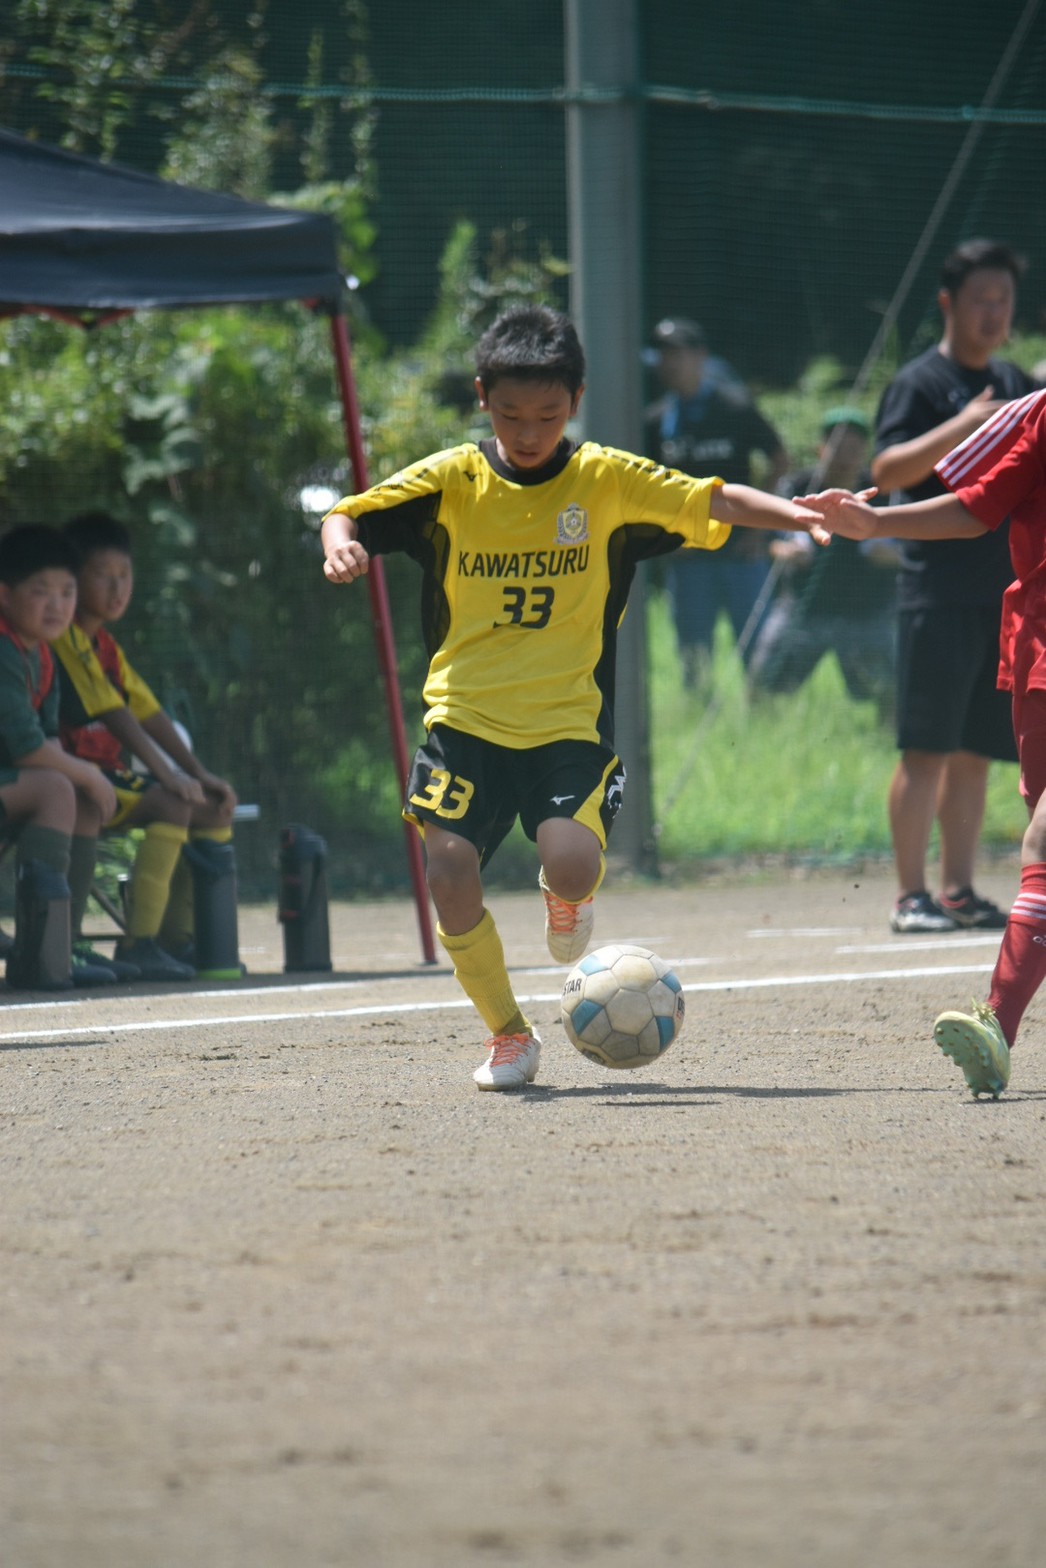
(1002, 462)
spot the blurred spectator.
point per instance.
(706, 424)
(837, 599)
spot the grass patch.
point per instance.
(802, 777)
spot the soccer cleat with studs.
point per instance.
(512, 1063)
(975, 1042)
(568, 927)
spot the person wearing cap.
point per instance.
(952, 721)
(840, 602)
(707, 423)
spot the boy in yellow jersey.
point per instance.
(528, 543)
(107, 712)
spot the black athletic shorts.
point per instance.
(947, 699)
(477, 789)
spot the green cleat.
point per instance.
(978, 1046)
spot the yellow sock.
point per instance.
(479, 968)
(151, 878)
(178, 921)
(216, 835)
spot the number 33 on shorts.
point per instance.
(448, 796)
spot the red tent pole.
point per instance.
(382, 618)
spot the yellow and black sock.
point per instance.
(479, 968)
(151, 878)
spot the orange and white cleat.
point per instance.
(512, 1063)
(568, 927)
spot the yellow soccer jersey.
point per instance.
(95, 678)
(525, 578)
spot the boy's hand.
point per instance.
(842, 512)
(345, 562)
(184, 787)
(220, 789)
(810, 520)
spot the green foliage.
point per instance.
(473, 290)
(97, 54)
(225, 137)
(796, 413)
(348, 204)
(203, 430)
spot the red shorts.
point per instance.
(1023, 666)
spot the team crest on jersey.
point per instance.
(572, 525)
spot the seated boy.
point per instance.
(107, 711)
(52, 804)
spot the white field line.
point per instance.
(932, 945)
(390, 1009)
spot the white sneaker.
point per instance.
(568, 927)
(513, 1061)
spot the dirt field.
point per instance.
(281, 1288)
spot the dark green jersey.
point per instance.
(28, 698)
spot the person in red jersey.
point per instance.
(997, 474)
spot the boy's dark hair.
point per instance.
(974, 256)
(534, 343)
(88, 532)
(34, 547)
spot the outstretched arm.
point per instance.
(742, 506)
(941, 517)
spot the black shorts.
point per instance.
(477, 789)
(947, 699)
(130, 786)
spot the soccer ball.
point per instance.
(622, 1006)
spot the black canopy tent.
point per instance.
(88, 242)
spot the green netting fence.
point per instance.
(792, 157)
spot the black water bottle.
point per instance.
(303, 909)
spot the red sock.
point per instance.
(1021, 966)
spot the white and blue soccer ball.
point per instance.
(622, 1006)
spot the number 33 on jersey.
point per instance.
(525, 579)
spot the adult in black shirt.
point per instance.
(951, 719)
